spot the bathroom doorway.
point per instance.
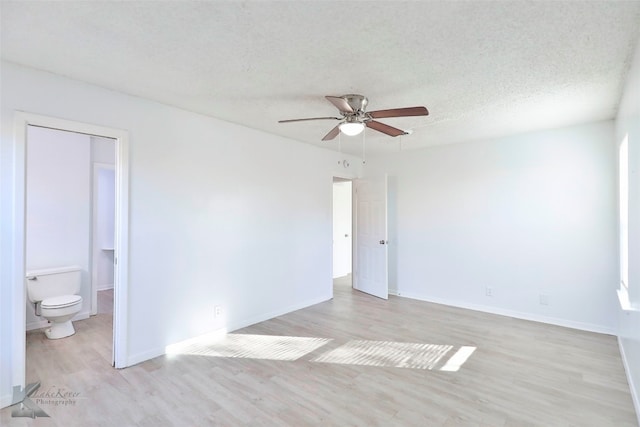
(116, 142)
(70, 206)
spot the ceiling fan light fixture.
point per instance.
(351, 128)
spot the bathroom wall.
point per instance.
(103, 161)
(104, 214)
(58, 207)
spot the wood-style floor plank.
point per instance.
(521, 374)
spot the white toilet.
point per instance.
(53, 291)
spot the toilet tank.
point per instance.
(53, 282)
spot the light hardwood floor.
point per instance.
(521, 374)
(105, 301)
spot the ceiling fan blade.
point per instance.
(340, 103)
(399, 112)
(311, 118)
(332, 133)
(389, 130)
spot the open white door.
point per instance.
(371, 237)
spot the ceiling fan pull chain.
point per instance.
(340, 142)
(364, 150)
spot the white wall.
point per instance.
(525, 215)
(628, 123)
(342, 228)
(58, 207)
(219, 214)
(103, 150)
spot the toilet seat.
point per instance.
(61, 301)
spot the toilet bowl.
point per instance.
(59, 311)
(53, 291)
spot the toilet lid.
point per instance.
(61, 301)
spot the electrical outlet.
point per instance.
(217, 311)
(544, 299)
(488, 291)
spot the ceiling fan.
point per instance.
(354, 116)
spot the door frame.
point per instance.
(121, 225)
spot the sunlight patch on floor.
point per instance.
(386, 354)
(268, 347)
(458, 359)
(356, 352)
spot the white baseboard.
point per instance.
(632, 386)
(515, 314)
(144, 356)
(6, 400)
(39, 324)
(105, 287)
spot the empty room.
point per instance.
(305, 213)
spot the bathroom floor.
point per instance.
(89, 349)
(105, 301)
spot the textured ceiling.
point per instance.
(483, 69)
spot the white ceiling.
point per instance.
(483, 69)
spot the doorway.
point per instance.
(70, 199)
(342, 232)
(23, 123)
(103, 216)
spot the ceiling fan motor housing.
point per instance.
(357, 102)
